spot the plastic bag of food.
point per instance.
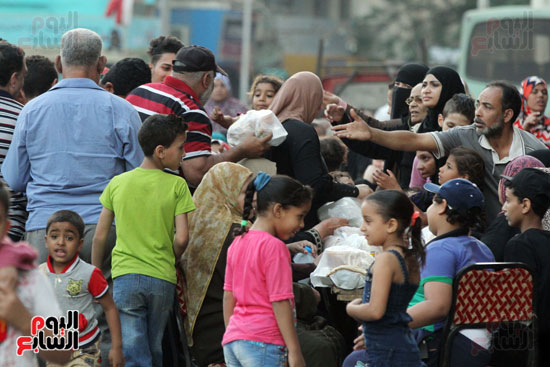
(348, 208)
(332, 258)
(261, 123)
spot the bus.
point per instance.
(504, 43)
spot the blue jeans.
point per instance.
(144, 304)
(246, 353)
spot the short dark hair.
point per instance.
(473, 219)
(510, 97)
(127, 74)
(160, 130)
(162, 45)
(11, 61)
(67, 216)
(40, 75)
(462, 104)
(333, 152)
(4, 199)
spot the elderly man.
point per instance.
(12, 77)
(70, 141)
(184, 93)
(492, 135)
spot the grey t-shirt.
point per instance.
(467, 136)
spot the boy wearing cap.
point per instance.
(456, 210)
(527, 200)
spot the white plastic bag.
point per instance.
(261, 123)
(332, 258)
(348, 208)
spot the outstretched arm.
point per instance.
(396, 140)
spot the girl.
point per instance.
(391, 281)
(463, 163)
(258, 302)
(263, 90)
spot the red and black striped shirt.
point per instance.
(173, 96)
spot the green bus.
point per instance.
(508, 42)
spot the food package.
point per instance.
(261, 123)
(347, 208)
(351, 237)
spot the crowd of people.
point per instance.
(119, 182)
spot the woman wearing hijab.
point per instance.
(222, 101)
(211, 232)
(534, 99)
(299, 156)
(408, 76)
(499, 232)
(439, 85)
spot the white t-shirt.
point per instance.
(35, 292)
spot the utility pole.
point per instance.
(244, 77)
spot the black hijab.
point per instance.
(410, 74)
(451, 84)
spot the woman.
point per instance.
(299, 156)
(219, 199)
(222, 101)
(440, 84)
(534, 99)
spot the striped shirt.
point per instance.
(173, 96)
(9, 110)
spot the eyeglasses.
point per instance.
(416, 99)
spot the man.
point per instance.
(41, 76)
(492, 135)
(162, 51)
(125, 76)
(70, 141)
(12, 77)
(184, 92)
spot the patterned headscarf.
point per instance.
(516, 165)
(216, 199)
(527, 86)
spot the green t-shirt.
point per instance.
(145, 202)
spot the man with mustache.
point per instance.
(492, 135)
(184, 93)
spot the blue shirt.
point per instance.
(68, 144)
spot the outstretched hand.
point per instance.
(334, 112)
(386, 181)
(355, 130)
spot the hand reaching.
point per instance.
(254, 147)
(334, 112)
(355, 130)
(386, 181)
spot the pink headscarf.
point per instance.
(299, 98)
(513, 168)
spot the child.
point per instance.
(391, 281)
(147, 203)
(23, 294)
(258, 303)
(77, 285)
(458, 111)
(455, 211)
(463, 163)
(527, 200)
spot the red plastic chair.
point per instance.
(489, 296)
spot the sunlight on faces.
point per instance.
(426, 164)
(263, 96)
(431, 90)
(63, 242)
(538, 98)
(162, 68)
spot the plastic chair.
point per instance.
(492, 295)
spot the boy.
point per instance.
(527, 200)
(147, 203)
(23, 294)
(458, 111)
(77, 285)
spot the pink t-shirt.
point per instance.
(258, 272)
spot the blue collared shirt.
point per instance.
(68, 144)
